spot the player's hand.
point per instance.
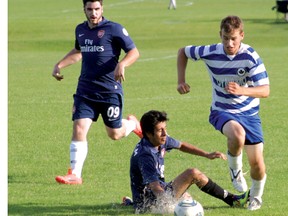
(183, 88)
(234, 88)
(217, 154)
(119, 73)
(56, 73)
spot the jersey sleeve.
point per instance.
(76, 43)
(172, 143)
(121, 36)
(257, 75)
(199, 52)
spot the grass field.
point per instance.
(39, 119)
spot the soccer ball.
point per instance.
(188, 208)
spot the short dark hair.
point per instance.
(150, 119)
(85, 1)
(230, 23)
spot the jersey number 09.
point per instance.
(113, 112)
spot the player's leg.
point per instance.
(116, 126)
(79, 145)
(127, 126)
(83, 114)
(258, 174)
(183, 181)
(170, 4)
(174, 4)
(78, 152)
(193, 176)
(235, 134)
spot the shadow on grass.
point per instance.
(108, 209)
(255, 20)
(267, 21)
(38, 209)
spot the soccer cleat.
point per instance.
(137, 130)
(254, 204)
(69, 178)
(238, 180)
(127, 201)
(241, 200)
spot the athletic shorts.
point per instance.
(109, 107)
(251, 125)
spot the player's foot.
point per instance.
(238, 180)
(127, 201)
(254, 204)
(241, 200)
(137, 130)
(69, 178)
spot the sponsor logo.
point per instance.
(92, 48)
(80, 35)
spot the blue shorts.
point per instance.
(251, 125)
(110, 107)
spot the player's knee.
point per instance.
(193, 172)
(258, 166)
(78, 135)
(114, 135)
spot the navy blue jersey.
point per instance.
(100, 47)
(147, 165)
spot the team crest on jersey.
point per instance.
(100, 33)
(241, 72)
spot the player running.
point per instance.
(239, 79)
(98, 42)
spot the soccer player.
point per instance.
(172, 4)
(98, 42)
(149, 189)
(239, 79)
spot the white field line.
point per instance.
(156, 59)
(123, 3)
(120, 3)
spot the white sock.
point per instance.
(130, 126)
(257, 188)
(235, 162)
(78, 153)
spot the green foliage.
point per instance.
(42, 32)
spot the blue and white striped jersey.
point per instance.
(245, 68)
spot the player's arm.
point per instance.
(182, 60)
(191, 149)
(156, 188)
(256, 92)
(72, 57)
(130, 57)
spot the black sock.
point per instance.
(215, 190)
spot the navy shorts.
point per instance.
(109, 107)
(251, 125)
